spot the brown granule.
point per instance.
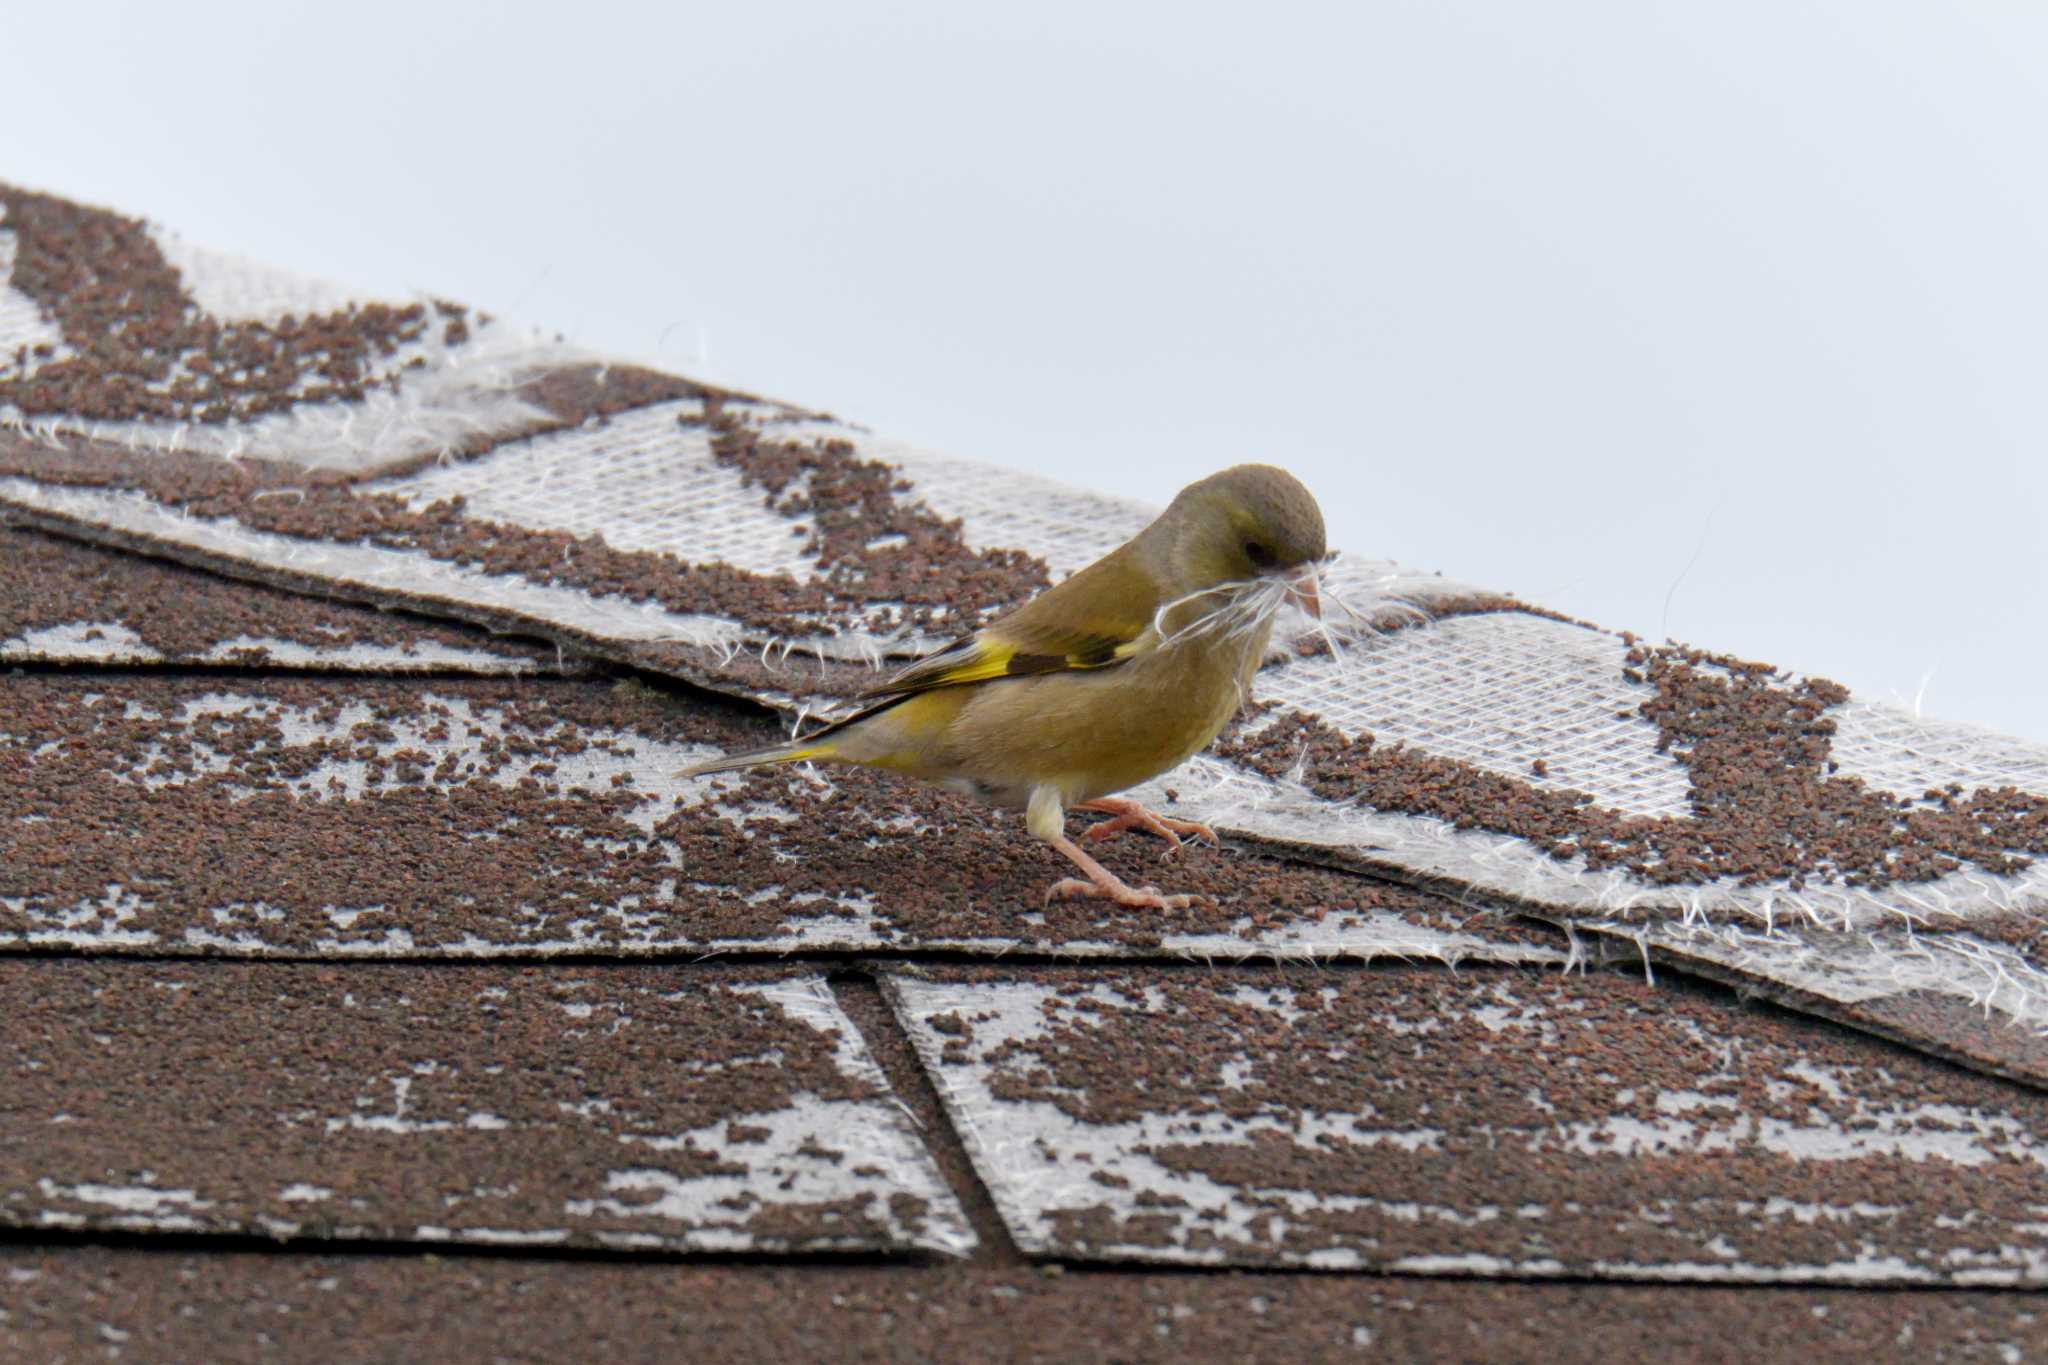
(231, 1306)
(577, 394)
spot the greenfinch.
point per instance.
(1102, 682)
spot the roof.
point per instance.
(369, 970)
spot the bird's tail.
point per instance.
(818, 744)
(794, 752)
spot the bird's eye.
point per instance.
(1259, 555)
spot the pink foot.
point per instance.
(1102, 884)
(1130, 815)
(1137, 897)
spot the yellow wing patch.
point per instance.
(974, 659)
(981, 658)
(1096, 618)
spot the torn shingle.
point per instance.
(65, 602)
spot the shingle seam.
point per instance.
(184, 669)
(919, 1264)
(1758, 991)
(860, 996)
(234, 1243)
(860, 959)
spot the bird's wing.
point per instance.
(1097, 618)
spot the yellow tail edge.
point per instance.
(758, 758)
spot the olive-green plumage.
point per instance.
(1111, 678)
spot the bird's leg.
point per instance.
(1126, 814)
(1104, 884)
(1046, 817)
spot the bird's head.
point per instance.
(1251, 523)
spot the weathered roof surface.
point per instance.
(592, 1106)
(1511, 1122)
(369, 974)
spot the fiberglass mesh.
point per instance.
(1501, 692)
(640, 481)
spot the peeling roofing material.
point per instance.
(348, 898)
(1492, 1121)
(113, 336)
(780, 556)
(606, 1107)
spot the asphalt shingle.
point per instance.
(1484, 1121)
(635, 1107)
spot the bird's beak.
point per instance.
(1301, 591)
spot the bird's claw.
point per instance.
(1130, 815)
(1137, 898)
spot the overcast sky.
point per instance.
(1721, 320)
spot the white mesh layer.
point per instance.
(420, 656)
(79, 642)
(237, 290)
(1501, 692)
(459, 394)
(110, 642)
(640, 481)
(1854, 968)
(374, 569)
(448, 395)
(1891, 748)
